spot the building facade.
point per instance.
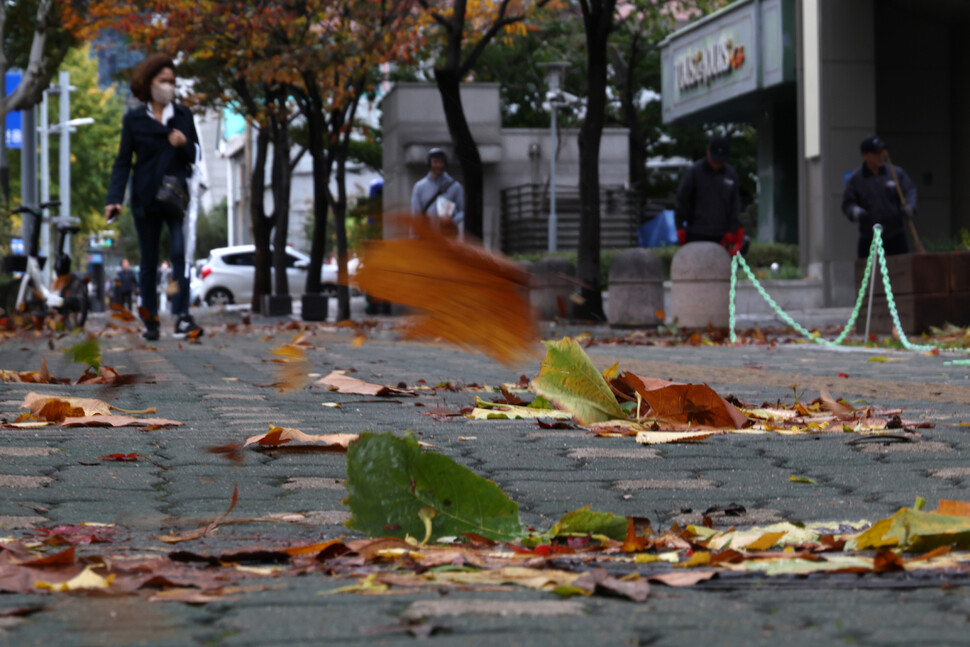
(413, 122)
(815, 77)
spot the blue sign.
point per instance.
(14, 134)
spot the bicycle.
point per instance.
(67, 297)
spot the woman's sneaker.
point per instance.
(186, 327)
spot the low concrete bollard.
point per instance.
(700, 277)
(636, 289)
(553, 281)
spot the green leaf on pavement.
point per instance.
(390, 481)
(569, 380)
(916, 531)
(87, 352)
(802, 479)
(589, 522)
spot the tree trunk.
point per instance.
(321, 174)
(262, 225)
(281, 204)
(598, 25)
(449, 86)
(340, 229)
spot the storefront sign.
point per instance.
(702, 66)
(711, 62)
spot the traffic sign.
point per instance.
(14, 132)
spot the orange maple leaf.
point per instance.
(465, 294)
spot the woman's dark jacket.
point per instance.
(155, 158)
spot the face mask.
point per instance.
(163, 93)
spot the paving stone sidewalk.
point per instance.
(220, 389)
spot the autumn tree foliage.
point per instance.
(337, 66)
(464, 29)
(235, 55)
(279, 62)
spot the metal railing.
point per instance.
(525, 218)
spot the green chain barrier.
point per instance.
(876, 252)
(738, 260)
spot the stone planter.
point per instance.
(922, 286)
(277, 305)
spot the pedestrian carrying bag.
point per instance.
(173, 194)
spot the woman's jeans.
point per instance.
(149, 233)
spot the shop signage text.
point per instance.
(703, 66)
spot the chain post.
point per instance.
(733, 337)
(876, 231)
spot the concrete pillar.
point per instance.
(700, 283)
(553, 282)
(636, 289)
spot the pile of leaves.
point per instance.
(435, 525)
(618, 403)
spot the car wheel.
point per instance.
(219, 297)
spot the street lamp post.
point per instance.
(554, 75)
(66, 126)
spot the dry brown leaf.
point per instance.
(120, 313)
(340, 382)
(842, 411)
(465, 294)
(178, 537)
(118, 421)
(696, 404)
(953, 508)
(277, 436)
(56, 408)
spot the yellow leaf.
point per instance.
(86, 579)
(765, 541)
(699, 558)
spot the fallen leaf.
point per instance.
(118, 421)
(340, 382)
(802, 479)
(278, 436)
(915, 530)
(465, 294)
(953, 508)
(87, 579)
(493, 410)
(682, 578)
(56, 408)
(389, 480)
(665, 437)
(571, 382)
(178, 537)
(121, 458)
(696, 404)
(585, 521)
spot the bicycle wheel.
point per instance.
(76, 303)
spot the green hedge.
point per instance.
(760, 256)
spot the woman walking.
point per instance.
(161, 136)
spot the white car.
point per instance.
(227, 274)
